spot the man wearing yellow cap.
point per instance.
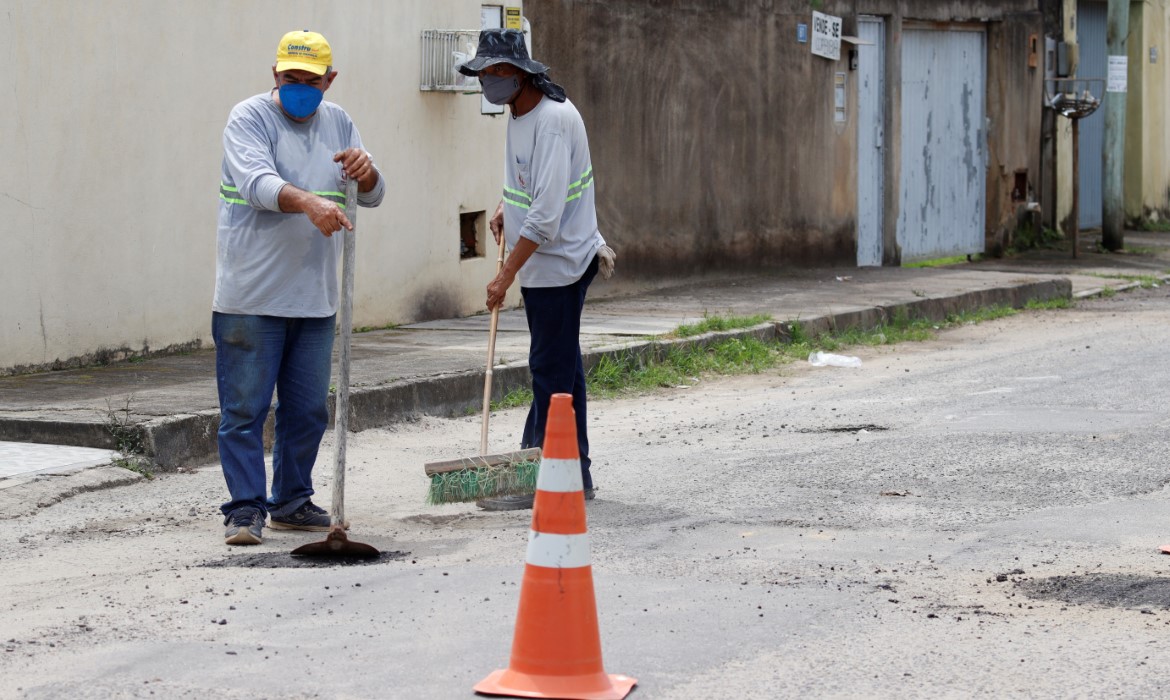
(287, 154)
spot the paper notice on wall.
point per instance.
(826, 36)
(1118, 78)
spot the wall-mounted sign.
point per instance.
(826, 36)
(802, 33)
(512, 19)
(1118, 78)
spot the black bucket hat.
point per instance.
(501, 46)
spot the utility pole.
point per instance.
(1117, 32)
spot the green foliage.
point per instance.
(1162, 225)
(367, 329)
(719, 323)
(1144, 281)
(520, 396)
(1027, 237)
(942, 262)
(1050, 305)
(128, 439)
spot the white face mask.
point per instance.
(500, 90)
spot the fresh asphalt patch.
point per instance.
(285, 560)
(1110, 590)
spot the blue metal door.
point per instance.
(871, 90)
(943, 185)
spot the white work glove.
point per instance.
(605, 261)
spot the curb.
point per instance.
(186, 440)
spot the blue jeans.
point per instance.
(554, 358)
(253, 356)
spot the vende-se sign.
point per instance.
(826, 36)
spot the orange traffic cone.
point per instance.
(556, 651)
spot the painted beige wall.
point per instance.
(112, 146)
(1064, 140)
(1147, 163)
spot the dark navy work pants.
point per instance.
(554, 358)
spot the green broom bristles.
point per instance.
(485, 482)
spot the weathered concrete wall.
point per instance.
(1147, 143)
(712, 128)
(112, 127)
(711, 131)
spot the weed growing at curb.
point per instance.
(128, 440)
(719, 323)
(1144, 281)
(942, 262)
(520, 396)
(633, 373)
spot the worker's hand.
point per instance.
(326, 216)
(498, 288)
(497, 224)
(359, 165)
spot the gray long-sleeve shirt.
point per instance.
(549, 194)
(272, 263)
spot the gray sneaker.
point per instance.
(244, 526)
(520, 501)
(309, 517)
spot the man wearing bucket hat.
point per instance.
(287, 154)
(548, 217)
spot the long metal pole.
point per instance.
(1076, 187)
(1113, 222)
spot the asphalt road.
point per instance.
(975, 515)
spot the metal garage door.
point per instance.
(944, 173)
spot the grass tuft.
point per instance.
(719, 323)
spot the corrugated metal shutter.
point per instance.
(1094, 63)
(944, 174)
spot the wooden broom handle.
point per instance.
(491, 360)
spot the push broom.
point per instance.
(484, 475)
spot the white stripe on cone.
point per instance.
(559, 475)
(558, 551)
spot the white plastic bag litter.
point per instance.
(825, 359)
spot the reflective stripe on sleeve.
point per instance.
(558, 551)
(337, 198)
(517, 198)
(230, 194)
(582, 182)
(559, 475)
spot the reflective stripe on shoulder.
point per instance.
(558, 551)
(559, 475)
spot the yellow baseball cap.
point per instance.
(304, 50)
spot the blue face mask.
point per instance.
(499, 90)
(300, 100)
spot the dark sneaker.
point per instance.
(520, 501)
(309, 517)
(244, 526)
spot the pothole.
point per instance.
(1110, 590)
(284, 560)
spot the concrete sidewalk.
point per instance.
(169, 404)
